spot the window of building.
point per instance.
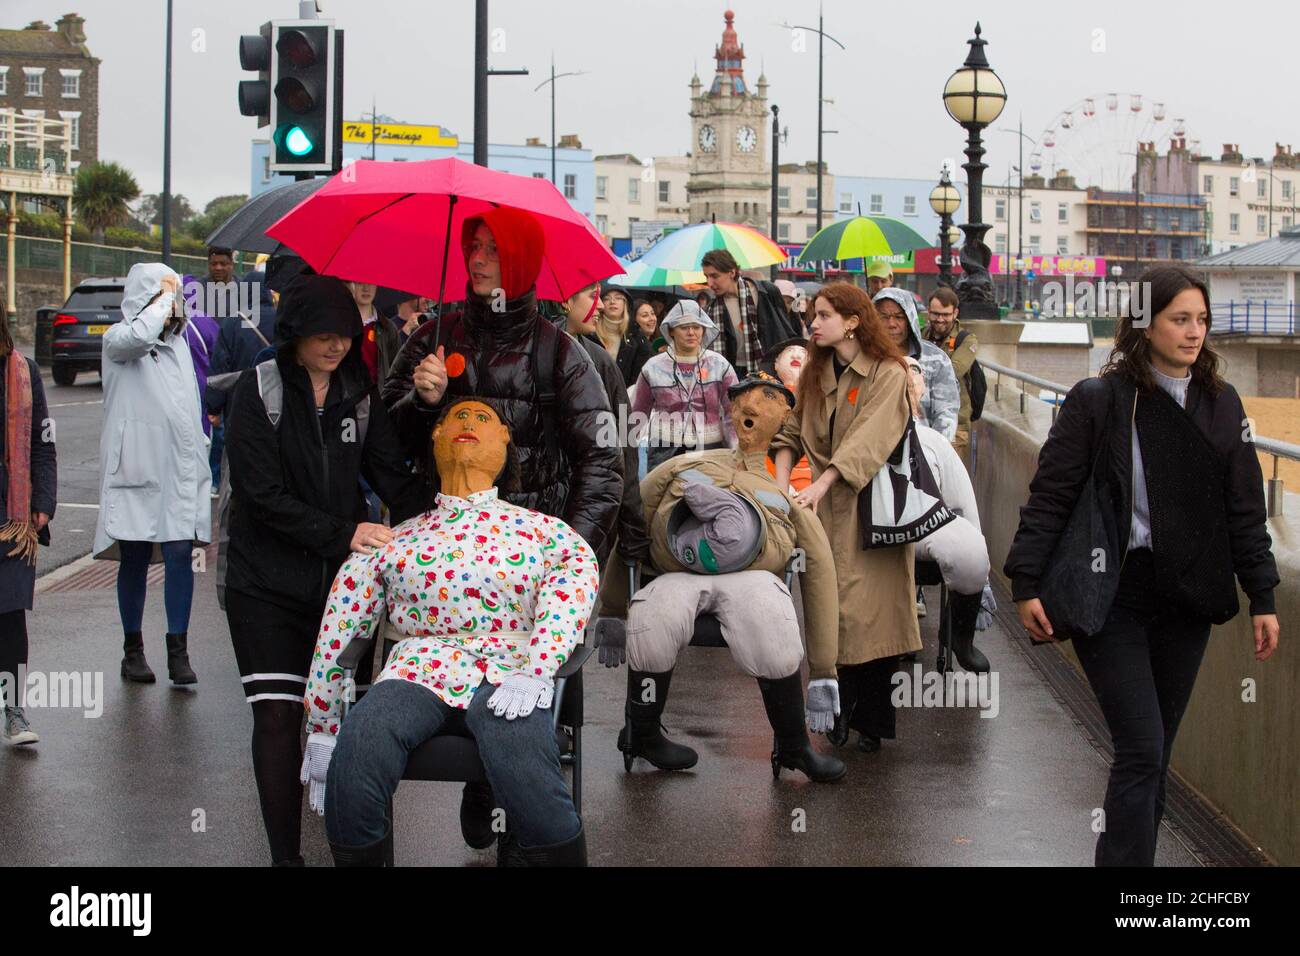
(266, 168)
(811, 197)
(783, 232)
(1261, 224)
(1234, 184)
(75, 123)
(71, 83)
(1062, 246)
(35, 76)
(877, 204)
(1234, 222)
(846, 203)
(602, 224)
(539, 175)
(811, 229)
(999, 209)
(1208, 185)
(782, 197)
(1175, 223)
(602, 187)
(909, 205)
(1286, 189)
(634, 190)
(1035, 212)
(735, 209)
(570, 186)
(1035, 245)
(1062, 212)
(4, 81)
(664, 187)
(1000, 244)
(1286, 222)
(1261, 188)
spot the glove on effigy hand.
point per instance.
(315, 765)
(823, 704)
(518, 695)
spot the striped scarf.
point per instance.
(749, 346)
(18, 457)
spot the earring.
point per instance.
(849, 335)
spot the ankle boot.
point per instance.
(476, 806)
(643, 734)
(783, 700)
(572, 852)
(134, 666)
(848, 677)
(965, 609)
(372, 855)
(178, 660)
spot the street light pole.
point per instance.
(822, 35)
(481, 74)
(776, 172)
(167, 148)
(554, 76)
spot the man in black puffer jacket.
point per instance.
(495, 348)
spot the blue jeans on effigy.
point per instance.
(521, 757)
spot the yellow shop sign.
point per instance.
(398, 134)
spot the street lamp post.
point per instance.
(821, 36)
(974, 96)
(554, 76)
(481, 74)
(776, 173)
(944, 200)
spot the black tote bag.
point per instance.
(1078, 586)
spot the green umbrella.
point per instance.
(862, 237)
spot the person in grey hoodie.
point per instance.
(942, 401)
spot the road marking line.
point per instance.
(73, 504)
(70, 404)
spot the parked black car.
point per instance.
(76, 342)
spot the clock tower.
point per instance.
(730, 177)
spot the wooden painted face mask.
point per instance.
(757, 414)
(469, 447)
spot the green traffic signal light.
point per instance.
(298, 142)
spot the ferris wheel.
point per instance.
(1095, 138)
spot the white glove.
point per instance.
(823, 704)
(315, 765)
(519, 694)
(984, 620)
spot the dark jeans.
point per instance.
(1142, 666)
(178, 586)
(521, 757)
(214, 453)
(13, 650)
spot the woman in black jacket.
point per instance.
(296, 512)
(28, 485)
(1173, 450)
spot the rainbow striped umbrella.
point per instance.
(640, 274)
(862, 236)
(682, 250)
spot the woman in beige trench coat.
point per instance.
(852, 411)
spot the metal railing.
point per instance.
(1260, 318)
(1276, 487)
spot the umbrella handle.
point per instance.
(446, 250)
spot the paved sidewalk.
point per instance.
(164, 776)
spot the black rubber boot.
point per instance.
(839, 734)
(476, 806)
(569, 853)
(783, 700)
(178, 660)
(372, 855)
(643, 734)
(134, 666)
(965, 609)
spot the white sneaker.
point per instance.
(920, 603)
(17, 730)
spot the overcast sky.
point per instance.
(1229, 71)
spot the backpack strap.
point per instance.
(544, 356)
(271, 388)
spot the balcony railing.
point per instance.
(1257, 318)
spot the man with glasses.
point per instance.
(944, 330)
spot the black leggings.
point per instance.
(866, 691)
(13, 647)
(1142, 667)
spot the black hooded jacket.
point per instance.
(580, 481)
(296, 496)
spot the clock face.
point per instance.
(708, 138)
(746, 139)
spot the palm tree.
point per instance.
(100, 195)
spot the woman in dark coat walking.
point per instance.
(28, 480)
(1171, 444)
(296, 512)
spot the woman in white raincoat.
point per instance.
(154, 482)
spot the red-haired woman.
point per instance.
(852, 411)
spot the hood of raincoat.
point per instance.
(908, 303)
(313, 305)
(142, 283)
(688, 312)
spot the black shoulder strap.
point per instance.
(544, 356)
(961, 337)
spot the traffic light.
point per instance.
(302, 113)
(255, 55)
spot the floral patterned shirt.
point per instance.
(480, 588)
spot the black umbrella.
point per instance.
(246, 228)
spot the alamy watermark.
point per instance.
(222, 300)
(1101, 299)
(76, 690)
(920, 688)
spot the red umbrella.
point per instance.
(393, 224)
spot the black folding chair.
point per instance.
(451, 755)
(929, 573)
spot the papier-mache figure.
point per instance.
(722, 533)
(491, 599)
